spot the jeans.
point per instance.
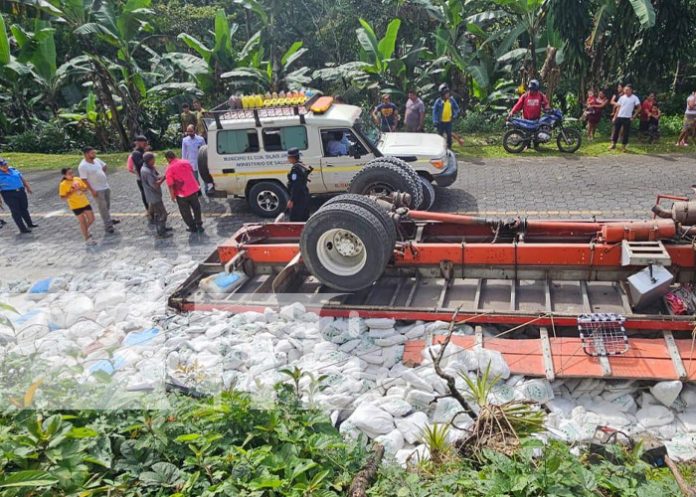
(103, 200)
(18, 203)
(625, 123)
(445, 129)
(158, 213)
(142, 193)
(190, 209)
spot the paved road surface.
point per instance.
(538, 187)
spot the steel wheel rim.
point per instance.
(341, 252)
(379, 190)
(267, 200)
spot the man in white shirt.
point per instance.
(93, 172)
(190, 146)
(627, 109)
(689, 121)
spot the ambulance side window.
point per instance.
(282, 139)
(237, 141)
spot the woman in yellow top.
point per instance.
(73, 191)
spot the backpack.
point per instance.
(130, 164)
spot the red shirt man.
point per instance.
(531, 103)
(180, 178)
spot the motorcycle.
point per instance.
(523, 132)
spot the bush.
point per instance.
(480, 122)
(50, 137)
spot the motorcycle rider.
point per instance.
(532, 102)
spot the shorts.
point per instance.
(689, 123)
(79, 211)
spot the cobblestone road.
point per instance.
(537, 187)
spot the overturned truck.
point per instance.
(569, 299)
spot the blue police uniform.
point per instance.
(298, 177)
(15, 197)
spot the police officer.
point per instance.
(298, 177)
(13, 189)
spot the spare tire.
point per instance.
(428, 194)
(345, 247)
(371, 205)
(203, 165)
(383, 178)
(403, 165)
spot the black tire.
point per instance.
(268, 199)
(385, 178)
(428, 194)
(371, 205)
(514, 141)
(203, 165)
(403, 165)
(366, 260)
(569, 140)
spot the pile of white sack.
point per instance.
(111, 328)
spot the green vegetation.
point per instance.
(99, 72)
(221, 446)
(536, 470)
(58, 161)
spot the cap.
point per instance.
(293, 152)
(141, 138)
(534, 84)
(3, 162)
(443, 88)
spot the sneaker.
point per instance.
(611, 147)
(209, 188)
(168, 228)
(115, 221)
(25, 231)
(90, 242)
(166, 234)
(33, 225)
(191, 230)
(200, 229)
(111, 231)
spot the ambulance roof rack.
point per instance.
(223, 112)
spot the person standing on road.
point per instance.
(187, 117)
(445, 111)
(414, 115)
(93, 172)
(689, 121)
(72, 190)
(298, 179)
(137, 158)
(386, 114)
(190, 146)
(627, 109)
(13, 190)
(152, 184)
(184, 189)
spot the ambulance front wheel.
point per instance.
(267, 199)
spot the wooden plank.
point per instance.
(673, 351)
(547, 293)
(399, 286)
(513, 295)
(478, 336)
(412, 293)
(443, 293)
(547, 358)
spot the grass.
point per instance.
(483, 146)
(47, 162)
(489, 147)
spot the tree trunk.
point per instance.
(363, 479)
(107, 101)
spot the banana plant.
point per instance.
(209, 63)
(263, 75)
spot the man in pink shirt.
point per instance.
(184, 190)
